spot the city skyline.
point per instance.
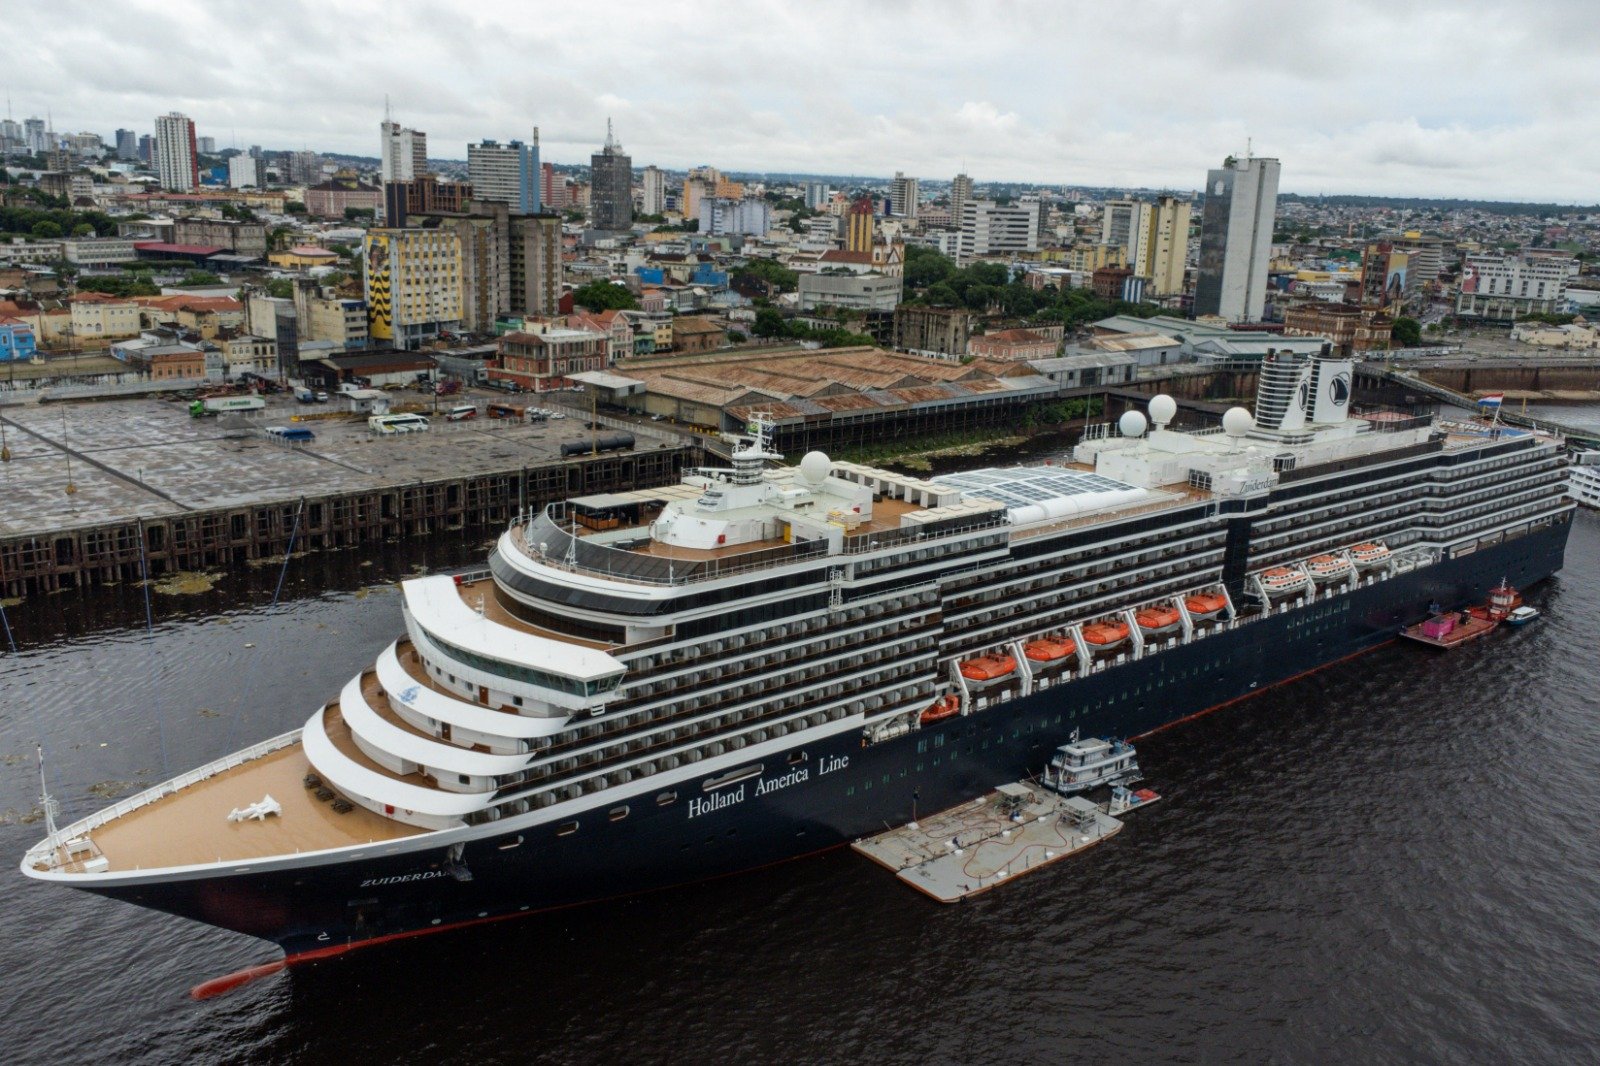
(1356, 100)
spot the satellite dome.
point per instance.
(1237, 422)
(1132, 424)
(814, 468)
(1163, 408)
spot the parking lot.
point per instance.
(149, 457)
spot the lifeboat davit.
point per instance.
(1328, 567)
(1158, 620)
(1204, 606)
(940, 709)
(1104, 636)
(1049, 649)
(1367, 556)
(990, 667)
(1281, 580)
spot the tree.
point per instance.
(924, 267)
(603, 295)
(83, 229)
(198, 279)
(356, 214)
(770, 271)
(1406, 332)
(46, 230)
(294, 207)
(280, 288)
(770, 323)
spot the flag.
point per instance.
(1494, 399)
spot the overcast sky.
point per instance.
(1460, 98)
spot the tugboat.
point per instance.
(1085, 764)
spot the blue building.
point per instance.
(706, 274)
(506, 174)
(651, 275)
(16, 340)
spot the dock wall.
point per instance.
(229, 537)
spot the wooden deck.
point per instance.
(485, 594)
(192, 827)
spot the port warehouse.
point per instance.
(233, 536)
(835, 398)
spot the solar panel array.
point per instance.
(1024, 485)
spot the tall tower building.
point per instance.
(506, 174)
(404, 152)
(208, 145)
(611, 186)
(413, 285)
(859, 226)
(903, 196)
(960, 193)
(816, 195)
(1236, 239)
(552, 188)
(1167, 245)
(33, 133)
(176, 161)
(653, 200)
(127, 144)
(1126, 224)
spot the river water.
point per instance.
(1393, 860)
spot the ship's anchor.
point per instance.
(455, 863)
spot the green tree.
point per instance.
(294, 207)
(602, 295)
(925, 267)
(770, 323)
(83, 229)
(46, 230)
(359, 214)
(280, 288)
(198, 279)
(1406, 332)
(772, 272)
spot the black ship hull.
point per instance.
(839, 791)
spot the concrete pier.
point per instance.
(201, 493)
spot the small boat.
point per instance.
(1104, 636)
(1204, 606)
(1521, 616)
(1049, 649)
(1283, 580)
(991, 667)
(1158, 620)
(1503, 599)
(1085, 764)
(1370, 555)
(1328, 567)
(1449, 629)
(940, 709)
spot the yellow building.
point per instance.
(1091, 257)
(302, 256)
(1167, 245)
(413, 285)
(860, 226)
(99, 316)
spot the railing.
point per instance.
(44, 851)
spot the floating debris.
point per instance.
(187, 583)
(113, 789)
(12, 816)
(207, 712)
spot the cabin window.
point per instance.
(731, 777)
(796, 758)
(566, 829)
(465, 779)
(516, 701)
(666, 799)
(617, 814)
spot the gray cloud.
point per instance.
(1371, 96)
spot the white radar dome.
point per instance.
(1163, 409)
(1237, 422)
(1132, 424)
(814, 468)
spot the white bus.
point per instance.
(390, 424)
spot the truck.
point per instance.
(305, 395)
(218, 405)
(297, 434)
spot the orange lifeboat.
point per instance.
(1049, 649)
(990, 667)
(1158, 620)
(1103, 636)
(940, 709)
(1205, 605)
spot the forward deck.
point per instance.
(191, 827)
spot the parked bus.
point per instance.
(391, 424)
(291, 433)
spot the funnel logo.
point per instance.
(1339, 389)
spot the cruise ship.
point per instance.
(651, 688)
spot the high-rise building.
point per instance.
(413, 285)
(960, 193)
(207, 145)
(147, 148)
(177, 164)
(1236, 239)
(510, 262)
(246, 172)
(611, 186)
(860, 226)
(506, 174)
(302, 168)
(988, 228)
(535, 247)
(33, 134)
(1167, 246)
(404, 153)
(721, 216)
(425, 194)
(816, 195)
(127, 144)
(903, 196)
(694, 190)
(552, 188)
(1126, 224)
(653, 185)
